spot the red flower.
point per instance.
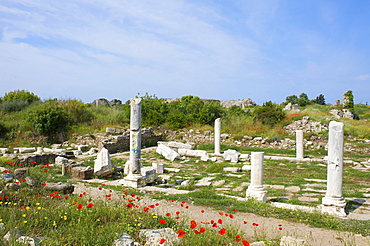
(152, 206)
(24, 180)
(67, 197)
(245, 222)
(215, 225)
(172, 200)
(280, 228)
(168, 214)
(219, 221)
(238, 238)
(235, 210)
(90, 183)
(45, 171)
(157, 204)
(38, 195)
(193, 224)
(100, 188)
(90, 205)
(57, 196)
(162, 241)
(220, 213)
(177, 217)
(245, 243)
(183, 202)
(79, 206)
(202, 230)
(181, 233)
(231, 216)
(222, 231)
(74, 203)
(129, 205)
(202, 211)
(197, 232)
(22, 207)
(254, 224)
(146, 209)
(102, 184)
(6, 171)
(178, 212)
(108, 195)
(162, 221)
(43, 185)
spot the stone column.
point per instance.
(299, 144)
(133, 166)
(333, 203)
(255, 189)
(217, 136)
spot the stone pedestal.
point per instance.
(255, 189)
(217, 136)
(299, 144)
(134, 177)
(333, 203)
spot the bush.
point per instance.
(21, 95)
(268, 114)
(49, 120)
(13, 106)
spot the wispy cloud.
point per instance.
(362, 77)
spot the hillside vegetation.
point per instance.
(26, 120)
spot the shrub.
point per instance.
(269, 113)
(13, 106)
(21, 95)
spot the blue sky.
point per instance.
(235, 49)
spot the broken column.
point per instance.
(133, 166)
(255, 189)
(299, 144)
(217, 136)
(102, 165)
(333, 203)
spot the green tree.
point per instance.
(303, 100)
(293, 99)
(269, 113)
(154, 111)
(320, 99)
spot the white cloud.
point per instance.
(362, 77)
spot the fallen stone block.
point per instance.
(149, 173)
(82, 173)
(167, 152)
(231, 155)
(231, 169)
(159, 168)
(62, 187)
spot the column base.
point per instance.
(333, 206)
(257, 194)
(135, 181)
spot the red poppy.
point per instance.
(24, 180)
(108, 195)
(6, 171)
(79, 206)
(197, 232)
(38, 195)
(172, 200)
(183, 202)
(238, 238)
(193, 224)
(182, 205)
(22, 207)
(162, 241)
(146, 209)
(74, 203)
(57, 196)
(254, 224)
(90, 205)
(231, 216)
(43, 185)
(168, 214)
(222, 231)
(177, 218)
(245, 243)
(157, 204)
(162, 221)
(212, 221)
(235, 210)
(45, 171)
(178, 212)
(245, 222)
(152, 206)
(102, 184)
(202, 211)
(220, 213)
(80, 195)
(100, 188)
(280, 228)
(181, 233)
(202, 230)
(215, 225)
(89, 200)
(129, 205)
(6, 197)
(90, 183)
(219, 221)
(67, 197)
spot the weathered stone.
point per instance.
(217, 136)
(20, 173)
(290, 241)
(103, 166)
(2, 226)
(218, 182)
(239, 103)
(31, 181)
(66, 188)
(167, 152)
(177, 145)
(231, 155)
(23, 150)
(299, 144)
(13, 235)
(308, 199)
(293, 189)
(4, 151)
(159, 167)
(204, 181)
(123, 242)
(246, 167)
(231, 169)
(12, 186)
(61, 160)
(149, 173)
(153, 236)
(29, 241)
(82, 173)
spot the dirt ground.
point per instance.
(267, 229)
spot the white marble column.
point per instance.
(133, 166)
(299, 144)
(255, 189)
(333, 203)
(217, 136)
